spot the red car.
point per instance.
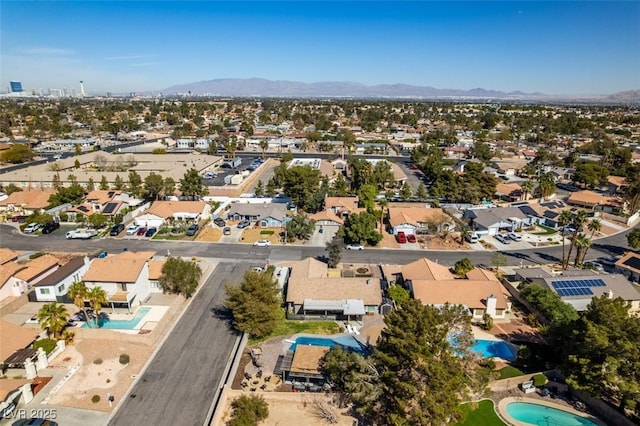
(401, 237)
(413, 167)
(141, 231)
(411, 238)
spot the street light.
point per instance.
(284, 225)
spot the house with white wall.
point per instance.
(54, 287)
(124, 277)
(162, 211)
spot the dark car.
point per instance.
(244, 224)
(191, 231)
(117, 229)
(141, 231)
(19, 218)
(220, 222)
(150, 232)
(49, 227)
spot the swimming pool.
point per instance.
(494, 348)
(349, 342)
(120, 324)
(536, 414)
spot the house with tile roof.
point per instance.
(54, 287)
(419, 220)
(162, 211)
(509, 192)
(492, 221)
(312, 293)
(629, 265)
(15, 343)
(594, 201)
(342, 206)
(10, 285)
(480, 291)
(123, 276)
(17, 278)
(327, 222)
(26, 202)
(7, 255)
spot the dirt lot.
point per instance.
(448, 242)
(251, 235)
(209, 234)
(288, 408)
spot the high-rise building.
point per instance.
(16, 86)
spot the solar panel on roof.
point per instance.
(109, 208)
(632, 262)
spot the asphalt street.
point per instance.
(179, 384)
(10, 237)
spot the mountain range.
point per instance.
(259, 87)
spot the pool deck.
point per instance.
(502, 410)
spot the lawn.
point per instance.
(480, 414)
(509, 371)
(547, 230)
(289, 327)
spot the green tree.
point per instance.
(361, 228)
(351, 374)
(633, 239)
(73, 194)
(10, 189)
(118, 183)
(77, 150)
(300, 183)
(421, 193)
(482, 151)
(153, 185)
(271, 188)
(488, 322)
(382, 175)
(18, 153)
(300, 227)
(104, 184)
(499, 259)
(264, 145)
(78, 292)
(180, 277)
(255, 304)
(168, 186)
(97, 220)
(340, 187)
(367, 197)
(91, 185)
(399, 294)
(259, 189)
(360, 172)
(546, 185)
(405, 191)
(577, 220)
(334, 248)
(76, 164)
(527, 188)
(462, 266)
(191, 185)
(135, 184)
(549, 304)
(97, 299)
(248, 410)
(582, 243)
(53, 318)
(601, 354)
(422, 378)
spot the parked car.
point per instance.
(141, 231)
(151, 232)
(116, 229)
(502, 239)
(411, 238)
(608, 261)
(220, 222)
(401, 237)
(132, 229)
(355, 247)
(226, 230)
(244, 224)
(31, 228)
(192, 229)
(514, 236)
(472, 237)
(49, 227)
(592, 264)
(262, 243)
(19, 218)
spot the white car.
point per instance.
(355, 247)
(31, 228)
(132, 229)
(262, 243)
(502, 238)
(514, 236)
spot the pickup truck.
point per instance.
(81, 234)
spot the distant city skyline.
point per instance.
(556, 48)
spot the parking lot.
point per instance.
(223, 172)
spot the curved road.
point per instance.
(10, 237)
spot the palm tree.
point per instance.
(594, 226)
(78, 293)
(464, 233)
(527, 188)
(577, 221)
(53, 317)
(564, 220)
(97, 298)
(263, 146)
(582, 245)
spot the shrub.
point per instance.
(539, 380)
(95, 399)
(267, 232)
(64, 217)
(124, 359)
(97, 361)
(248, 410)
(47, 344)
(36, 255)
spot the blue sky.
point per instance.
(573, 48)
